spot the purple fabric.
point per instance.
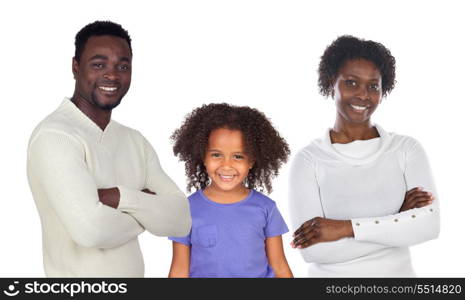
(228, 240)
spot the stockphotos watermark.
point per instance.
(71, 289)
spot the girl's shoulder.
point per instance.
(196, 195)
(262, 200)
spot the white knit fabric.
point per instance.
(69, 158)
(366, 182)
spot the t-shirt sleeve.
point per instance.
(186, 240)
(275, 224)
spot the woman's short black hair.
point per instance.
(346, 48)
(98, 28)
(267, 149)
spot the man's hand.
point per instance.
(319, 230)
(111, 196)
(416, 198)
(148, 191)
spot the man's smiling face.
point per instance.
(103, 74)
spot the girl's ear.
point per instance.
(333, 83)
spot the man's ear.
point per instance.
(75, 67)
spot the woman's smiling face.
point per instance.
(357, 90)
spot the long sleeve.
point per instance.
(408, 227)
(305, 204)
(57, 171)
(164, 214)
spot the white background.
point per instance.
(258, 53)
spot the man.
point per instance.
(98, 184)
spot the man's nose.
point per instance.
(111, 75)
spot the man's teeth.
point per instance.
(359, 107)
(107, 88)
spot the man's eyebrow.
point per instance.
(126, 59)
(98, 56)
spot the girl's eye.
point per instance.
(215, 155)
(350, 83)
(238, 156)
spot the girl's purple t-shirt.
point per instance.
(228, 240)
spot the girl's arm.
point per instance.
(276, 258)
(180, 262)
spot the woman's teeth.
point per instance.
(358, 107)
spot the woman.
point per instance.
(360, 196)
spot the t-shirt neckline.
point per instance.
(204, 197)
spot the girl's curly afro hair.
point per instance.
(346, 48)
(262, 142)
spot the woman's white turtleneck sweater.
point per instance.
(365, 182)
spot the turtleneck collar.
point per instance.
(384, 137)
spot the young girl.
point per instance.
(229, 151)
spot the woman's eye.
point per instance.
(350, 83)
(374, 87)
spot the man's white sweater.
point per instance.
(69, 159)
(365, 182)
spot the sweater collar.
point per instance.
(83, 121)
(385, 138)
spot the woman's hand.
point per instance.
(319, 230)
(416, 198)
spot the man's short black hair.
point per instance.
(346, 48)
(98, 28)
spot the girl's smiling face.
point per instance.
(226, 160)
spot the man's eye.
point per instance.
(124, 67)
(350, 83)
(98, 65)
